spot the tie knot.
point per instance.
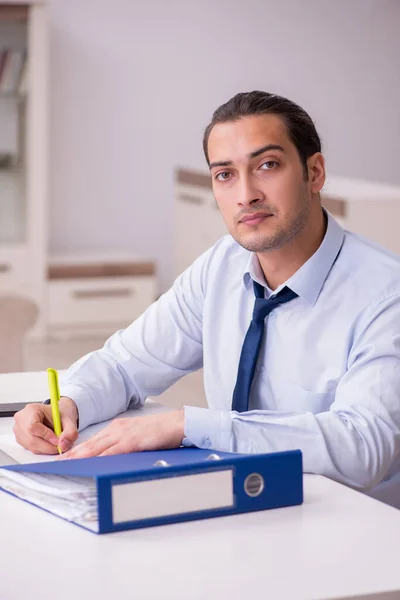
(263, 306)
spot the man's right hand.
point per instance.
(33, 427)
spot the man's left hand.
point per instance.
(137, 434)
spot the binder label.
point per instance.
(172, 496)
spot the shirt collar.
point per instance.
(307, 281)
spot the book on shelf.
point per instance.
(3, 58)
(23, 80)
(12, 70)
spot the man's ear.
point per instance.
(316, 172)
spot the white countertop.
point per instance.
(338, 543)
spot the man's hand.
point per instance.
(33, 427)
(155, 432)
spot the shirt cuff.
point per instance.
(208, 429)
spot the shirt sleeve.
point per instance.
(162, 345)
(357, 441)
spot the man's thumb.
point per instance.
(69, 434)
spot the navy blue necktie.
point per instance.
(252, 343)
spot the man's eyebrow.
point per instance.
(223, 163)
(265, 149)
(268, 147)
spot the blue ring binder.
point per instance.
(130, 491)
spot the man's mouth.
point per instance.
(255, 219)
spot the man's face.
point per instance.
(259, 182)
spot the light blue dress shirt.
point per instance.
(327, 379)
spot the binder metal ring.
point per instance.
(254, 484)
(213, 457)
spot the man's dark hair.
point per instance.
(300, 126)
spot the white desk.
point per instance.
(24, 387)
(338, 544)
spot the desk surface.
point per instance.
(24, 387)
(338, 544)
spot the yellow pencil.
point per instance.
(54, 399)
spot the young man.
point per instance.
(295, 321)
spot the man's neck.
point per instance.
(279, 265)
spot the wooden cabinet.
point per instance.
(97, 295)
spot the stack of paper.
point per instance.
(71, 498)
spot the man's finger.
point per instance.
(69, 434)
(32, 419)
(116, 449)
(69, 428)
(38, 430)
(36, 444)
(99, 439)
(40, 446)
(92, 447)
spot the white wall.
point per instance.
(135, 83)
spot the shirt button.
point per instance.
(272, 315)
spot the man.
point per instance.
(296, 323)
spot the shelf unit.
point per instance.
(76, 295)
(23, 181)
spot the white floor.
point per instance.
(61, 354)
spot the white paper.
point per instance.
(72, 498)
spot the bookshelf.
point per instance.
(23, 150)
(75, 295)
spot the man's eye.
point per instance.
(268, 165)
(224, 176)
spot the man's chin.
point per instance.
(254, 242)
(256, 238)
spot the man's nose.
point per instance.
(249, 192)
